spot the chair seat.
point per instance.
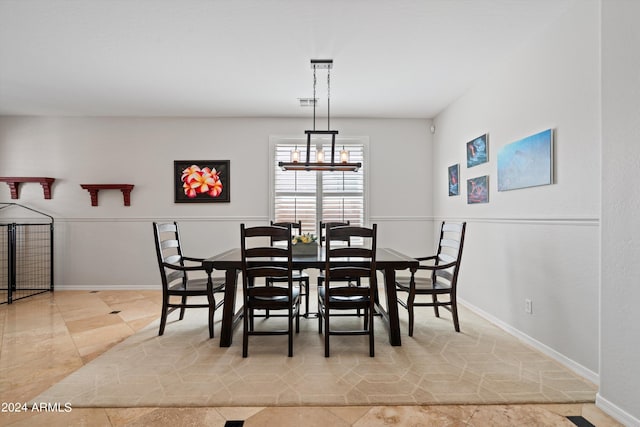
(279, 298)
(343, 298)
(422, 284)
(296, 275)
(195, 285)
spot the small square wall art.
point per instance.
(478, 190)
(477, 151)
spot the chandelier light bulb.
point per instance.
(295, 155)
(344, 156)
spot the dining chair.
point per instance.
(442, 279)
(262, 260)
(344, 263)
(299, 276)
(175, 269)
(353, 281)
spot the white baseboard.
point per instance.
(616, 412)
(559, 357)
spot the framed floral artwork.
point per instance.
(201, 181)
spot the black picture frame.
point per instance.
(202, 181)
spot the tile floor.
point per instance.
(47, 337)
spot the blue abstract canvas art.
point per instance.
(527, 162)
(477, 151)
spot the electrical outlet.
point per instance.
(528, 306)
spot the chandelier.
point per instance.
(320, 164)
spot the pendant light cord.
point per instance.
(329, 99)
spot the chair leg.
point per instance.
(434, 298)
(163, 318)
(410, 300)
(212, 312)
(326, 332)
(366, 318)
(297, 308)
(320, 315)
(306, 297)
(212, 306)
(371, 336)
(290, 334)
(245, 332)
(266, 312)
(182, 309)
(454, 313)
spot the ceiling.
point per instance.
(250, 58)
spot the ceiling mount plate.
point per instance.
(322, 64)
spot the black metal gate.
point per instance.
(26, 256)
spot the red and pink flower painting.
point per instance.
(202, 181)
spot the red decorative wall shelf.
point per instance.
(94, 188)
(14, 183)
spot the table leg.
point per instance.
(229, 307)
(392, 306)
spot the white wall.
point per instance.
(620, 295)
(112, 245)
(540, 243)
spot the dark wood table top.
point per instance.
(385, 258)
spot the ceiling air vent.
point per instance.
(307, 102)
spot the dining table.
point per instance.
(388, 261)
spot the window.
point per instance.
(314, 196)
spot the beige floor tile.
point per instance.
(101, 339)
(143, 322)
(416, 416)
(295, 417)
(513, 415)
(238, 413)
(170, 417)
(93, 322)
(75, 417)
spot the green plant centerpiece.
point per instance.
(304, 244)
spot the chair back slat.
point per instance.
(454, 227)
(450, 243)
(296, 229)
(267, 252)
(324, 226)
(349, 272)
(267, 271)
(173, 259)
(173, 276)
